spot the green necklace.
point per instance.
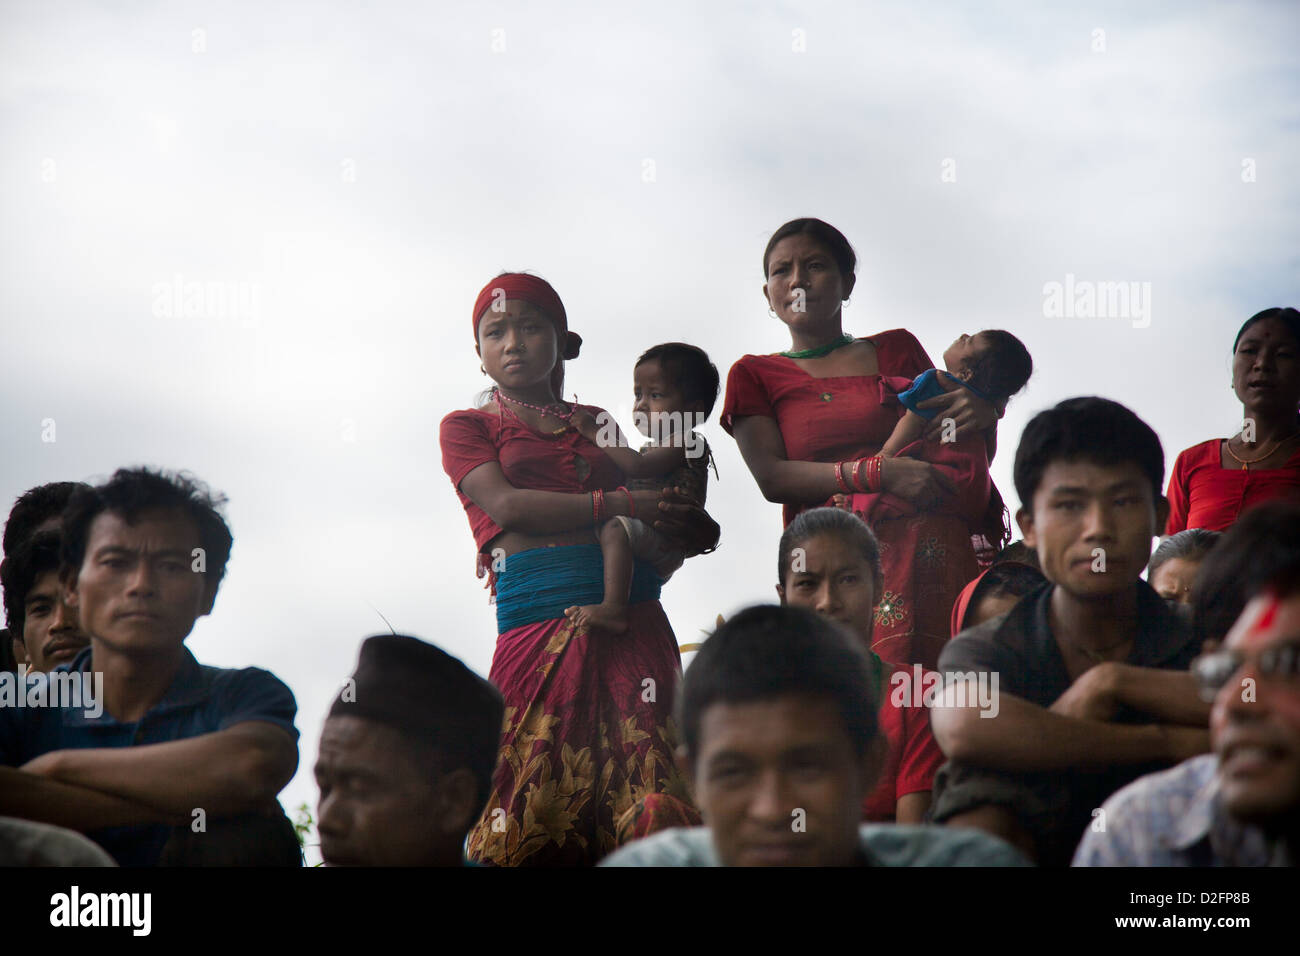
(821, 350)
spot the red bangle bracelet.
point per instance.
(598, 505)
(839, 478)
(631, 505)
(857, 475)
(873, 473)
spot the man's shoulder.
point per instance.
(1159, 819)
(1011, 633)
(681, 846)
(1166, 792)
(243, 679)
(892, 844)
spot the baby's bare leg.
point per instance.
(611, 613)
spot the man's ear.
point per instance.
(209, 596)
(456, 805)
(687, 766)
(68, 581)
(780, 593)
(20, 650)
(1025, 519)
(1162, 514)
(849, 282)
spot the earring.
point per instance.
(772, 312)
(482, 369)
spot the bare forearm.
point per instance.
(223, 773)
(1167, 696)
(526, 511)
(1025, 737)
(797, 482)
(912, 807)
(908, 430)
(646, 464)
(33, 797)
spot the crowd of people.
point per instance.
(923, 692)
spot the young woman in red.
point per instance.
(1214, 482)
(809, 423)
(587, 730)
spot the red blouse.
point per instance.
(564, 462)
(852, 416)
(914, 757)
(1204, 494)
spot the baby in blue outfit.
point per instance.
(993, 364)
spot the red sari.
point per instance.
(1204, 494)
(587, 728)
(927, 558)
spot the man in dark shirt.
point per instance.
(165, 740)
(1093, 687)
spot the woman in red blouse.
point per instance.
(1214, 482)
(587, 730)
(808, 423)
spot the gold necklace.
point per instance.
(1247, 462)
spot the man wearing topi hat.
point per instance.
(406, 757)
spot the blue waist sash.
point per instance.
(538, 584)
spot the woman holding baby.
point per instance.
(810, 423)
(587, 730)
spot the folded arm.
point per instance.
(1025, 737)
(32, 796)
(1164, 695)
(779, 479)
(236, 770)
(528, 511)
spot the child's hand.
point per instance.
(585, 424)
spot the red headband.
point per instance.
(534, 291)
(962, 604)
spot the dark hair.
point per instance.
(819, 521)
(19, 571)
(769, 651)
(1090, 429)
(690, 368)
(846, 260)
(1190, 545)
(1264, 541)
(133, 491)
(1020, 553)
(1287, 316)
(1008, 578)
(449, 716)
(1002, 367)
(36, 506)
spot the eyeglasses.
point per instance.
(1213, 671)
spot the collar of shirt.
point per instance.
(1027, 630)
(1206, 825)
(187, 689)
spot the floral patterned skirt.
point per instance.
(587, 734)
(927, 560)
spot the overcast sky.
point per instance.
(244, 239)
